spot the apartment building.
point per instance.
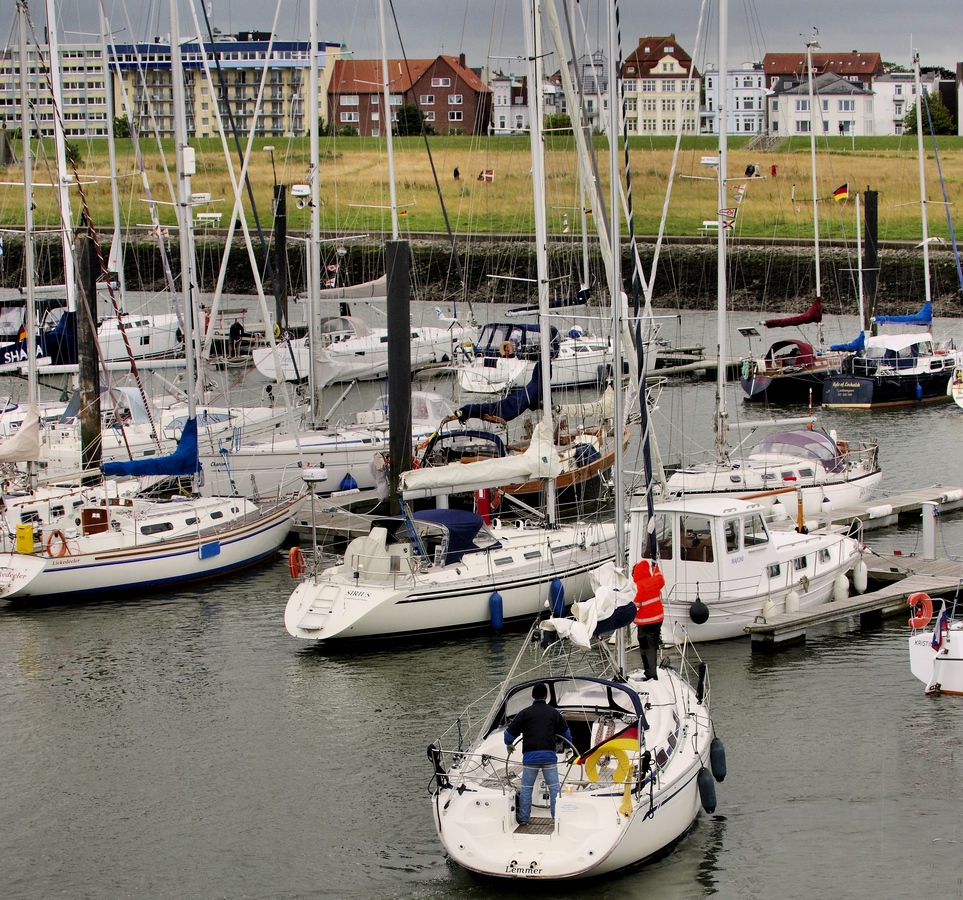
(662, 88)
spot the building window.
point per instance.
(899, 90)
(802, 106)
(847, 106)
(349, 100)
(427, 99)
(648, 86)
(802, 126)
(441, 82)
(375, 117)
(455, 115)
(454, 99)
(350, 117)
(394, 99)
(775, 106)
(668, 106)
(429, 115)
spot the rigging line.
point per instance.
(92, 233)
(946, 202)
(222, 84)
(431, 162)
(651, 545)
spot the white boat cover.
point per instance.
(540, 460)
(24, 446)
(613, 588)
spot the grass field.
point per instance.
(355, 195)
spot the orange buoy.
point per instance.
(57, 549)
(922, 608)
(295, 562)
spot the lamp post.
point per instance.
(270, 149)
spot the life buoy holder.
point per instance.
(922, 608)
(296, 562)
(60, 549)
(506, 349)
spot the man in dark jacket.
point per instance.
(538, 726)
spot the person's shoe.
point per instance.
(521, 821)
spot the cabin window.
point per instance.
(825, 555)
(503, 561)
(663, 535)
(754, 531)
(30, 515)
(57, 511)
(774, 570)
(805, 473)
(533, 554)
(156, 528)
(800, 563)
(730, 529)
(191, 521)
(696, 538)
(217, 514)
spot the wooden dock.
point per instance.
(900, 576)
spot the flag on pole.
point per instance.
(942, 627)
(841, 193)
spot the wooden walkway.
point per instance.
(886, 511)
(900, 575)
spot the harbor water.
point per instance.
(183, 745)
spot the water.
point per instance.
(183, 745)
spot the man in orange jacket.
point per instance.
(649, 582)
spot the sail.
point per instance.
(811, 315)
(854, 346)
(24, 446)
(512, 405)
(923, 317)
(183, 461)
(540, 460)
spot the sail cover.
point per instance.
(183, 461)
(512, 405)
(923, 317)
(854, 346)
(811, 315)
(24, 445)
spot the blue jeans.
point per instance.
(529, 774)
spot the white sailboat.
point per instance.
(441, 570)
(636, 770)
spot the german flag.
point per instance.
(22, 334)
(841, 193)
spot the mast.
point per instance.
(386, 90)
(314, 243)
(116, 253)
(810, 46)
(60, 145)
(722, 411)
(185, 163)
(919, 146)
(30, 313)
(533, 47)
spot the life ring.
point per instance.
(843, 447)
(277, 331)
(295, 562)
(922, 608)
(617, 749)
(506, 349)
(62, 549)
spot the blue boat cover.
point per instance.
(923, 317)
(512, 405)
(462, 527)
(183, 461)
(853, 346)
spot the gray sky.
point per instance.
(491, 30)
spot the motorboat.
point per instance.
(641, 763)
(724, 567)
(936, 646)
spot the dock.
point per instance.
(886, 511)
(900, 577)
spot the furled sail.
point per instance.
(923, 317)
(183, 461)
(811, 315)
(24, 445)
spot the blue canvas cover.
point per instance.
(512, 405)
(854, 346)
(462, 527)
(923, 317)
(183, 461)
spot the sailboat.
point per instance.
(936, 646)
(792, 370)
(442, 570)
(634, 768)
(803, 463)
(899, 368)
(130, 544)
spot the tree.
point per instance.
(561, 123)
(347, 131)
(121, 127)
(410, 121)
(74, 156)
(938, 113)
(324, 129)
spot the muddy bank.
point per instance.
(763, 278)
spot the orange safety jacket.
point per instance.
(649, 582)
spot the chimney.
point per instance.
(461, 60)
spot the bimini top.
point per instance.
(812, 444)
(461, 526)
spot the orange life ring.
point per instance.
(843, 446)
(62, 550)
(922, 608)
(295, 562)
(506, 349)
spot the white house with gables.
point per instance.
(747, 93)
(662, 88)
(843, 107)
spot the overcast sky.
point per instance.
(490, 30)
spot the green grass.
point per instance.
(355, 196)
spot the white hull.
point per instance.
(92, 564)
(940, 670)
(594, 832)
(495, 376)
(381, 591)
(147, 335)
